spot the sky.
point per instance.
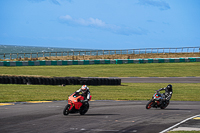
(100, 24)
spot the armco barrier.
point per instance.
(88, 62)
(58, 80)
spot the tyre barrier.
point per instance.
(58, 80)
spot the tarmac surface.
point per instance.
(160, 79)
(104, 116)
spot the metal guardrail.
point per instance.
(100, 52)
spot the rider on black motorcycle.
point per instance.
(167, 94)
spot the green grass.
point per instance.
(109, 70)
(126, 91)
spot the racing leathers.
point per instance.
(85, 94)
(168, 92)
(167, 95)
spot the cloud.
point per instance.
(162, 5)
(56, 2)
(97, 23)
(84, 22)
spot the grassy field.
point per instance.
(108, 70)
(126, 91)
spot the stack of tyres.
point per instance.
(58, 80)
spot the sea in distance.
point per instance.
(13, 49)
(34, 49)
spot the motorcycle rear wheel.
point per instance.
(66, 110)
(84, 109)
(148, 106)
(163, 107)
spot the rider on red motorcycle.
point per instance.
(85, 92)
(168, 93)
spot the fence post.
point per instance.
(24, 55)
(56, 54)
(157, 50)
(62, 54)
(37, 54)
(151, 50)
(31, 55)
(10, 56)
(169, 50)
(43, 54)
(49, 54)
(5, 55)
(145, 50)
(17, 55)
(127, 51)
(139, 51)
(97, 52)
(163, 50)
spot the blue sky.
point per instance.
(100, 24)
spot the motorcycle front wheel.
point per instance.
(66, 110)
(148, 106)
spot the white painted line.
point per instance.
(186, 129)
(178, 124)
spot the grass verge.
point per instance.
(126, 91)
(108, 70)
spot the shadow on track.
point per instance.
(178, 109)
(100, 114)
(77, 114)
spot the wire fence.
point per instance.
(100, 52)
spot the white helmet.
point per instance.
(84, 88)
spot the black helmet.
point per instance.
(169, 87)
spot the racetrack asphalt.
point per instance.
(104, 116)
(160, 79)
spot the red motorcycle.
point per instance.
(155, 102)
(76, 104)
